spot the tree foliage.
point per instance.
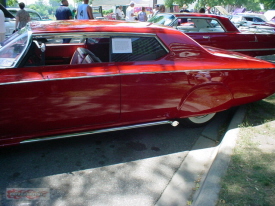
(249, 4)
(268, 4)
(12, 3)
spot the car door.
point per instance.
(50, 99)
(22, 100)
(82, 95)
(212, 33)
(150, 89)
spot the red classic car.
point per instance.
(114, 75)
(218, 31)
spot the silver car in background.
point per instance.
(10, 14)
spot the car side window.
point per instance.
(194, 25)
(125, 49)
(34, 17)
(93, 49)
(256, 19)
(248, 18)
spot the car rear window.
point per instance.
(136, 49)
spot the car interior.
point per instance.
(90, 50)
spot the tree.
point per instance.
(253, 5)
(12, 3)
(169, 3)
(268, 4)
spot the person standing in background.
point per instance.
(74, 13)
(156, 10)
(119, 13)
(142, 16)
(130, 12)
(84, 11)
(202, 10)
(184, 8)
(2, 26)
(162, 9)
(22, 17)
(208, 10)
(63, 12)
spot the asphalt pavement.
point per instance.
(179, 178)
(207, 162)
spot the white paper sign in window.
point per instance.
(122, 45)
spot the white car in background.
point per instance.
(10, 14)
(248, 19)
(252, 22)
(270, 15)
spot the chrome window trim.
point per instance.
(99, 34)
(83, 35)
(90, 34)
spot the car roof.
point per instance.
(226, 22)
(26, 9)
(17, 9)
(190, 14)
(63, 26)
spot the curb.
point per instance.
(208, 193)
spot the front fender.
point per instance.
(206, 99)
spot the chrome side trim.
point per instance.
(239, 50)
(97, 131)
(126, 74)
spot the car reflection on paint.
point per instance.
(114, 75)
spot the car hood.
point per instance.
(6, 12)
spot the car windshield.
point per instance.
(12, 49)
(165, 19)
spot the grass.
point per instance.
(250, 178)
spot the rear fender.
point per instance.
(205, 99)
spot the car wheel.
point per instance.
(198, 120)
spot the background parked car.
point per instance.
(9, 25)
(10, 14)
(270, 15)
(250, 22)
(250, 19)
(218, 31)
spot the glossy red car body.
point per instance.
(218, 31)
(145, 75)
